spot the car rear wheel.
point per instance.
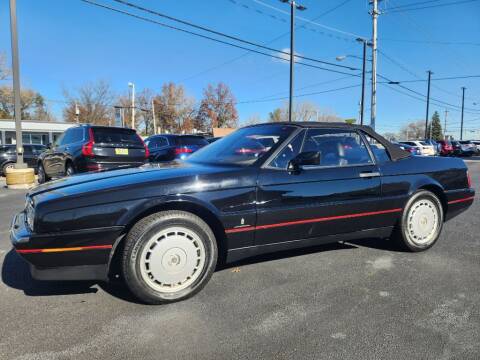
(421, 222)
(42, 176)
(169, 256)
(7, 166)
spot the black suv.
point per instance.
(91, 148)
(8, 156)
(169, 147)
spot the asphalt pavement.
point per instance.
(361, 300)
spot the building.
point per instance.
(34, 132)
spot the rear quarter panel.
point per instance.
(447, 177)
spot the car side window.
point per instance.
(337, 147)
(157, 142)
(66, 138)
(76, 135)
(288, 152)
(27, 150)
(378, 150)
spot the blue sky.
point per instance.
(66, 43)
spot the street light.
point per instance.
(132, 86)
(293, 6)
(364, 62)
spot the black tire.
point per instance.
(69, 169)
(141, 235)
(404, 234)
(6, 166)
(42, 175)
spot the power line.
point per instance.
(231, 37)
(413, 4)
(211, 38)
(428, 7)
(432, 42)
(215, 67)
(311, 21)
(299, 95)
(272, 16)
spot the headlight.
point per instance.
(29, 213)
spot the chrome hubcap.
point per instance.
(172, 259)
(423, 222)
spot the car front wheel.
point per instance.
(421, 222)
(169, 256)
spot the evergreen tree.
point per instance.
(437, 133)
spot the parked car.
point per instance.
(446, 148)
(170, 147)
(91, 148)
(477, 145)
(8, 156)
(436, 146)
(414, 150)
(463, 148)
(165, 226)
(425, 149)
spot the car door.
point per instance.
(29, 156)
(339, 195)
(55, 159)
(159, 148)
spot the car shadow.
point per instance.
(16, 273)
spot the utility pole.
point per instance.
(16, 86)
(445, 125)
(132, 86)
(362, 100)
(463, 103)
(428, 104)
(77, 113)
(373, 109)
(293, 6)
(154, 120)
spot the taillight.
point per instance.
(182, 150)
(87, 149)
(147, 151)
(469, 180)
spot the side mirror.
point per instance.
(302, 159)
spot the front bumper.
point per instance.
(73, 255)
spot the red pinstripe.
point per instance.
(306, 221)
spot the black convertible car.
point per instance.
(264, 188)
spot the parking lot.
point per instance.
(360, 300)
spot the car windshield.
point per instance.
(244, 146)
(423, 143)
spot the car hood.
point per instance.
(176, 172)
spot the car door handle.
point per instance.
(369, 174)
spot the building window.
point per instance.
(10, 137)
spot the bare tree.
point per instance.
(94, 101)
(5, 71)
(390, 136)
(413, 131)
(217, 108)
(304, 111)
(32, 104)
(175, 111)
(252, 120)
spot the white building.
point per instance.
(34, 132)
